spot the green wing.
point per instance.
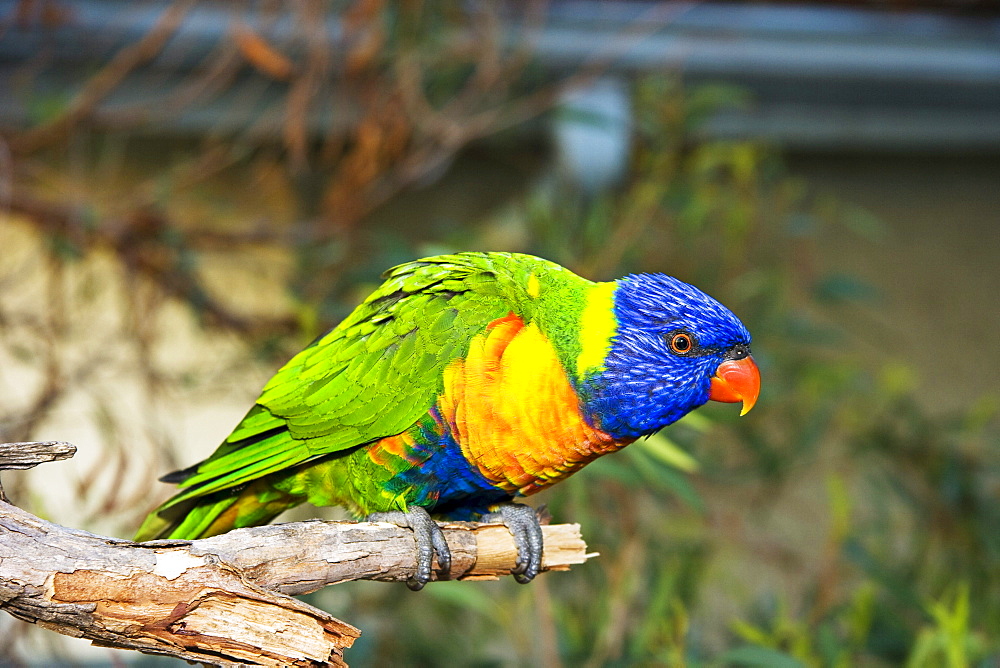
(373, 375)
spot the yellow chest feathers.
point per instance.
(513, 411)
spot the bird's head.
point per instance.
(674, 349)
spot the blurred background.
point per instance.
(191, 191)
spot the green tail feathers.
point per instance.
(230, 489)
(201, 517)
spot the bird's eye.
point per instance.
(681, 343)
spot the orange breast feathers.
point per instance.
(513, 411)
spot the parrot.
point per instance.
(466, 381)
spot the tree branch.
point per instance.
(30, 455)
(225, 600)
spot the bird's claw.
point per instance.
(522, 521)
(429, 538)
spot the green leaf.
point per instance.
(753, 656)
(660, 476)
(466, 598)
(666, 451)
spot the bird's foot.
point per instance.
(429, 537)
(522, 521)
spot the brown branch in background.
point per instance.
(224, 600)
(105, 81)
(400, 137)
(6, 175)
(305, 88)
(403, 139)
(535, 103)
(260, 53)
(219, 72)
(142, 242)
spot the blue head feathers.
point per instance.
(671, 337)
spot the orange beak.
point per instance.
(736, 380)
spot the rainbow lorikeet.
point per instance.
(462, 382)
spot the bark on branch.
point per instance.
(225, 600)
(30, 455)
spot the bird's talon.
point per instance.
(429, 538)
(524, 526)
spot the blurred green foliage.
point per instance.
(892, 556)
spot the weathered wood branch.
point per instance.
(226, 600)
(33, 453)
(301, 557)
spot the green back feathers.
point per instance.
(381, 369)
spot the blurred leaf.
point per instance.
(950, 642)
(836, 288)
(695, 421)
(662, 448)
(467, 596)
(751, 656)
(802, 224)
(665, 477)
(861, 613)
(889, 581)
(43, 107)
(864, 223)
(840, 507)
(705, 101)
(896, 380)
